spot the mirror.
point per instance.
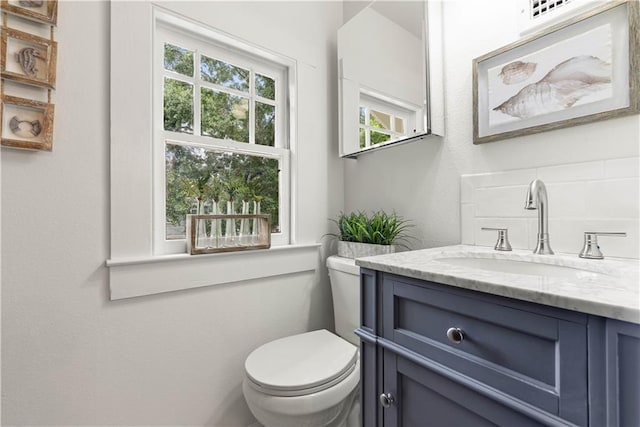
(384, 58)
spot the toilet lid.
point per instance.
(313, 360)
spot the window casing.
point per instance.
(251, 103)
(135, 267)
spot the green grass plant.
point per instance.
(379, 229)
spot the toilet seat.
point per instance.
(301, 364)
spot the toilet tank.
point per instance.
(345, 288)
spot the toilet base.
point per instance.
(344, 414)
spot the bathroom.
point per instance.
(170, 349)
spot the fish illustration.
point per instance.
(27, 57)
(516, 72)
(561, 88)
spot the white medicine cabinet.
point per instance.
(390, 76)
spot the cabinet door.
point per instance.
(533, 353)
(423, 398)
(623, 374)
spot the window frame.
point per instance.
(210, 43)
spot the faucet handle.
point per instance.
(590, 249)
(502, 244)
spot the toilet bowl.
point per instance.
(311, 379)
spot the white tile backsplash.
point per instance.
(502, 179)
(467, 230)
(501, 202)
(566, 200)
(590, 196)
(572, 172)
(614, 198)
(622, 168)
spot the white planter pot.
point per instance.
(359, 250)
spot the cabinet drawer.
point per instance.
(524, 350)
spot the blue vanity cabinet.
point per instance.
(622, 373)
(516, 363)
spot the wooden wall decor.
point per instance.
(28, 59)
(26, 123)
(45, 11)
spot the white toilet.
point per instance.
(311, 379)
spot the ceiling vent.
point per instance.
(539, 8)
(538, 14)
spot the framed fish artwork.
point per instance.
(579, 71)
(45, 11)
(26, 123)
(27, 58)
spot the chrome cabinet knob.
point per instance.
(590, 249)
(502, 244)
(455, 335)
(386, 400)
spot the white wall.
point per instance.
(421, 180)
(72, 357)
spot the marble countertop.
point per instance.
(608, 288)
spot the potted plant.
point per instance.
(362, 235)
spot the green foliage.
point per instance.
(224, 116)
(265, 87)
(178, 59)
(178, 106)
(380, 228)
(265, 124)
(378, 137)
(224, 74)
(194, 174)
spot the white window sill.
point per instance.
(133, 277)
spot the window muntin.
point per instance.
(233, 108)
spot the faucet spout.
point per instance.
(537, 200)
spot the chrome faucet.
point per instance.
(537, 199)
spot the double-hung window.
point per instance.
(221, 134)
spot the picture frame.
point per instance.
(27, 58)
(26, 124)
(45, 11)
(578, 71)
